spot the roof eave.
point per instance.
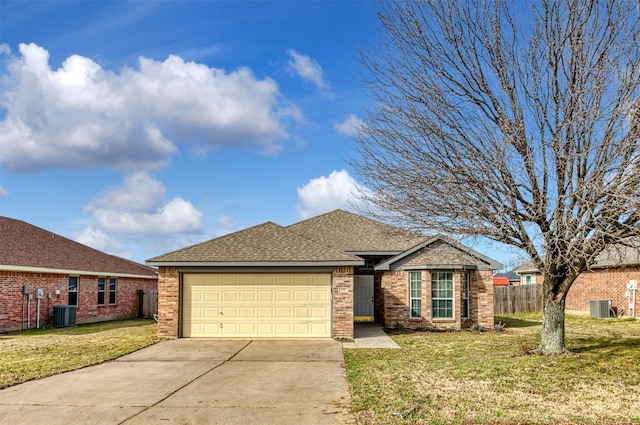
(375, 253)
(341, 263)
(30, 269)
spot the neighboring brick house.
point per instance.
(101, 286)
(607, 280)
(316, 277)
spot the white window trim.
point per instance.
(411, 297)
(104, 291)
(77, 291)
(109, 291)
(466, 283)
(452, 299)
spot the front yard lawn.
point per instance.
(37, 353)
(490, 377)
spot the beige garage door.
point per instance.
(256, 305)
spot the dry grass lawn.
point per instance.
(38, 353)
(490, 378)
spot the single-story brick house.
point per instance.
(607, 280)
(42, 269)
(315, 277)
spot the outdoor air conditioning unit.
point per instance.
(599, 309)
(64, 316)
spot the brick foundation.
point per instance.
(12, 301)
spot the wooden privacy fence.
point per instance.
(147, 303)
(517, 299)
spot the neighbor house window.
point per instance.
(442, 295)
(101, 290)
(466, 294)
(528, 279)
(415, 295)
(73, 290)
(113, 282)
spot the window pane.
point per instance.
(442, 295)
(73, 290)
(466, 290)
(415, 295)
(416, 308)
(112, 291)
(73, 283)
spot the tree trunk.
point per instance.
(552, 338)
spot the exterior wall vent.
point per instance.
(600, 309)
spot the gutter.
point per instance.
(73, 272)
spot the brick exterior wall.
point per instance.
(168, 302)
(604, 284)
(12, 300)
(395, 291)
(342, 302)
(482, 298)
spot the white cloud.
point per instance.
(135, 219)
(227, 223)
(350, 126)
(323, 194)
(138, 208)
(139, 192)
(308, 69)
(81, 115)
(4, 193)
(97, 239)
(177, 216)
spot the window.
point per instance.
(369, 264)
(73, 290)
(527, 279)
(112, 290)
(466, 294)
(101, 290)
(415, 295)
(442, 295)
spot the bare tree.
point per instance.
(516, 122)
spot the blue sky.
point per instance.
(144, 126)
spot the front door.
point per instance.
(363, 298)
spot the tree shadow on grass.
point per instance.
(585, 345)
(514, 322)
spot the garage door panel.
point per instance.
(247, 295)
(264, 295)
(319, 313)
(265, 312)
(257, 305)
(208, 296)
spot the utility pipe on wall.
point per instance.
(632, 287)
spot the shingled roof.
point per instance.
(440, 252)
(355, 233)
(24, 247)
(268, 244)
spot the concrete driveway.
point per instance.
(188, 381)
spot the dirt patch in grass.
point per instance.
(489, 377)
(38, 353)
